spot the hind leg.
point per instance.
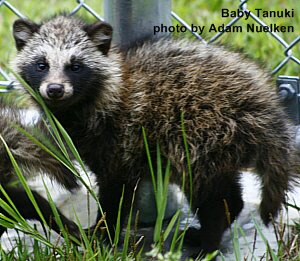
(27, 210)
(216, 212)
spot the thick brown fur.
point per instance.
(232, 116)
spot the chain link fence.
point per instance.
(287, 48)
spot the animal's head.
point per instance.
(63, 59)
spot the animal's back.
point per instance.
(220, 94)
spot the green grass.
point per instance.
(259, 46)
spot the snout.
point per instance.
(55, 90)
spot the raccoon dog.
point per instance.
(104, 96)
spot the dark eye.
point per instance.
(75, 67)
(41, 67)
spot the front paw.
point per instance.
(195, 238)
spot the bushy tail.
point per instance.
(275, 166)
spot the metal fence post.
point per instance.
(133, 20)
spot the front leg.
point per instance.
(109, 197)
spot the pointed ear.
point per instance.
(23, 30)
(101, 34)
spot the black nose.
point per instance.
(55, 90)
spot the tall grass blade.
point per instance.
(171, 224)
(56, 216)
(259, 230)
(127, 234)
(188, 160)
(118, 225)
(149, 159)
(22, 180)
(236, 243)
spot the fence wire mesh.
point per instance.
(287, 48)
